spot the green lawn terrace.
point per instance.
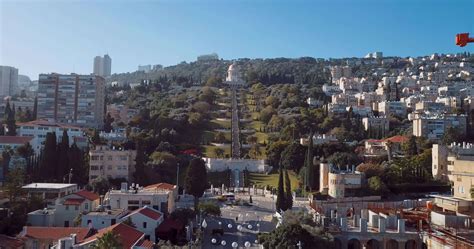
(210, 151)
(271, 180)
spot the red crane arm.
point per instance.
(463, 39)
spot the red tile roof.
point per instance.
(146, 244)
(73, 201)
(397, 139)
(55, 233)
(151, 213)
(10, 242)
(161, 185)
(127, 234)
(88, 195)
(374, 141)
(15, 139)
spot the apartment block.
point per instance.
(8, 81)
(111, 162)
(72, 99)
(433, 126)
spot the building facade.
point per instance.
(8, 81)
(72, 99)
(38, 129)
(107, 162)
(103, 65)
(434, 127)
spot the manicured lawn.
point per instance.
(209, 150)
(221, 124)
(272, 180)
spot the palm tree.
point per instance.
(108, 241)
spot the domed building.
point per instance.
(233, 76)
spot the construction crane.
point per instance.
(463, 39)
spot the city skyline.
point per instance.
(165, 32)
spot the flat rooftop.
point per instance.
(44, 185)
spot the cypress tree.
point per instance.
(140, 175)
(76, 162)
(312, 177)
(48, 164)
(9, 117)
(281, 198)
(35, 108)
(63, 160)
(289, 195)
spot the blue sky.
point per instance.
(39, 36)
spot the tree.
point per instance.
(219, 152)
(451, 135)
(288, 236)
(25, 150)
(14, 182)
(140, 176)
(78, 162)
(10, 120)
(409, 147)
(281, 197)
(48, 164)
(196, 180)
(293, 157)
(340, 159)
(108, 241)
(219, 137)
(100, 185)
(274, 151)
(370, 169)
(377, 186)
(210, 208)
(311, 174)
(108, 123)
(96, 138)
(288, 193)
(63, 154)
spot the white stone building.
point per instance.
(110, 162)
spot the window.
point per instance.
(93, 167)
(144, 224)
(66, 223)
(94, 158)
(76, 207)
(67, 207)
(89, 222)
(86, 205)
(112, 222)
(109, 167)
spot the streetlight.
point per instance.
(247, 244)
(223, 243)
(235, 245)
(250, 227)
(229, 226)
(204, 224)
(213, 241)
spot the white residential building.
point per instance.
(39, 128)
(433, 126)
(66, 209)
(396, 108)
(102, 218)
(110, 162)
(146, 220)
(136, 197)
